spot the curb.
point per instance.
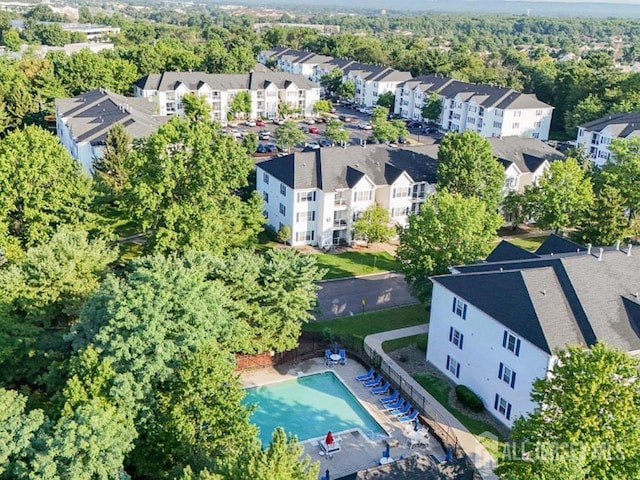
(388, 272)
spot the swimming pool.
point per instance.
(308, 407)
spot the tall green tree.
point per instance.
(240, 104)
(110, 170)
(433, 108)
(347, 90)
(196, 107)
(385, 130)
(331, 81)
(386, 100)
(466, 165)
(42, 187)
(562, 196)
(622, 172)
(250, 142)
(182, 189)
(336, 133)
(374, 225)
(591, 404)
(448, 230)
(605, 222)
(322, 106)
(288, 135)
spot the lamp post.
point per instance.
(363, 303)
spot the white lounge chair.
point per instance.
(331, 448)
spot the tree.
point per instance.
(448, 230)
(196, 107)
(250, 142)
(622, 172)
(347, 90)
(110, 170)
(182, 189)
(386, 130)
(514, 208)
(591, 404)
(466, 165)
(286, 109)
(284, 234)
(336, 133)
(374, 225)
(11, 39)
(332, 81)
(606, 221)
(241, 104)
(433, 108)
(322, 106)
(562, 196)
(386, 100)
(288, 135)
(42, 187)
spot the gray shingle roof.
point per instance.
(622, 125)
(508, 251)
(528, 154)
(555, 244)
(91, 115)
(333, 169)
(256, 80)
(488, 96)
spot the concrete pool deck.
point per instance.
(357, 451)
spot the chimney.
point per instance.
(617, 244)
(629, 251)
(589, 248)
(600, 254)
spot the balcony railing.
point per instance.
(339, 223)
(340, 202)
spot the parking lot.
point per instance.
(358, 136)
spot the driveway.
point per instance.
(339, 298)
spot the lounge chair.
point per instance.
(401, 412)
(327, 356)
(367, 376)
(381, 389)
(331, 448)
(391, 398)
(409, 418)
(395, 405)
(374, 383)
(343, 356)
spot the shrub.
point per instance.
(469, 399)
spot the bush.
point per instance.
(469, 399)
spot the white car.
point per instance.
(309, 121)
(365, 126)
(278, 121)
(250, 123)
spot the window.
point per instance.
(471, 121)
(497, 125)
(265, 178)
(305, 236)
(306, 196)
(283, 209)
(362, 196)
(515, 125)
(535, 135)
(517, 113)
(507, 375)
(459, 308)
(266, 214)
(283, 190)
(456, 337)
(453, 366)
(511, 343)
(265, 195)
(502, 407)
(400, 192)
(538, 113)
(537, 124)
(400, 211)
(306, 216)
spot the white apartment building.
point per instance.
(267, 90)
(319, 194)
(595, 137)
(495, 325)
(486, 109)
(83, 122)
(371, 81)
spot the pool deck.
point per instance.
(357, 451)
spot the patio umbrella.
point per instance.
(335, 347)
(386, 452)
(415, 426)
(329, 438)
(326, 475)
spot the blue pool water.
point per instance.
(308, 407)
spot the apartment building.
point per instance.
(488, 110)
(495, 325)
(371, 81)
(83, 122)
(319, 194)
(595, 137)
(267, 90)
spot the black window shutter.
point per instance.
(464, 312)
(314, 196)
(454, 305)
(513, 379)
(517, 347)
(500, 370)
(458, 371)
(504, 338)
(448, 361)
(508, 411)
(450, 334)
(461, 339)
(495, 404)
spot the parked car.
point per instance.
(325, 142)
(232, 124)
(365, 126)
(414, 124)
(402, 141)
(260, 123)
(372, 140)
(262, 148)
(311, 146)
(345, 118)
(314, 130)
(250, 123)
(278, 121)
(321, 120)
(234, 132)
(264, 135)
(309, 121)
(272, 148)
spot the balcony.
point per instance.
(339, 223)
(340, 203)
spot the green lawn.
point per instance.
(349, 264)
(439, 389)
(266, 240)
(359, 326)
(529, 243)
(419, 341)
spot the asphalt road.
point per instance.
(339, 298)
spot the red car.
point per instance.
(260, 123)
(313, 130)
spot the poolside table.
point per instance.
(385, 460)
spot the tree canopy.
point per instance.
(373, 225)
(288, 135)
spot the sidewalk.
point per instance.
(476, 452)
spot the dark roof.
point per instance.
(332, 169)
(485, 95)
(621, 125)
(528, 154)
(555, 244)
(508, 251)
